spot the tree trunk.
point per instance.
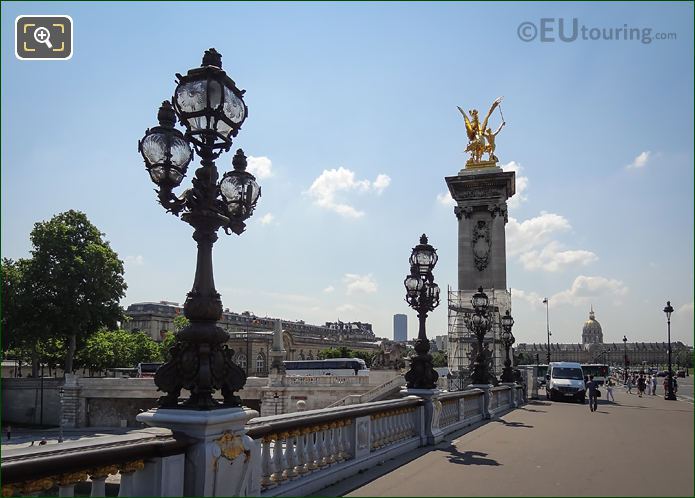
(34, 362)
(70, 353)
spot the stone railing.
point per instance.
(302, 453)
(232, 452)
(372, 395)
(325, 380)
(149, 463)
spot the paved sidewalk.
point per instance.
(634, 447)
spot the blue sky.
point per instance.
(352, 128)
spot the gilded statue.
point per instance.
(481, 138)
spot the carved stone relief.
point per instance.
(480, 243)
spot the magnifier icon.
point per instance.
(42, 35)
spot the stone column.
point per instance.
(487, 397)
(72, 415)
(223, 461)
(433, 434)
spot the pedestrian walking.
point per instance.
(675, 385)
(641, 385)
(654, 385)
(665, 385)
(594, 393)
(609, 391)
(629, 385)
(9, 432)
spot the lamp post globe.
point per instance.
(669, 395)
(479, 323)
(211, 108)
(422, 294)
(507, 340)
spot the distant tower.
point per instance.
(592, 333)
(400, 328)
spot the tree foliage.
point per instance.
(79, 276)
(345, 352)
(118, 348)
(439, 359)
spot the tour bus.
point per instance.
(565, 380)
(598, 370)
(331, 366)
(148, 369)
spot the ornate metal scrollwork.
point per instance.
(480, 244)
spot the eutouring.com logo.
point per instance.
(551, 29)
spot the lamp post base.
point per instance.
(422, 374)
(670, 397)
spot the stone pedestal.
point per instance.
(433, 434)
(487, 397)
(512, 395)
(224, 461)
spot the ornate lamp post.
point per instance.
(507, 341)
(547, 325)
(670, 395)
(211, 109)
(625, 360)
(422, 294)
(480, 324)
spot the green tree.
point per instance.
(180, 322)
(166, 344)
(439, 359)
(79, 274)
(25, 312)
(118, 348)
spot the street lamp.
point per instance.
(479, 323)
(625, 347)
(61, 392)
(547, 325)
(422, 294)
(670, 395)
(276, 396)
(211, 108)
(507, 341)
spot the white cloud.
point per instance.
(260, 167)
(551, 258)
(330, 182)
(685, 309)
(533, 298)
(344, 308)
(138, 260)
(359, 283)
(381, 182)
(267, 218)
(446, 199)
(585, 289)
(520, 186)
(640, 161)
(534, 232)
(329, 289)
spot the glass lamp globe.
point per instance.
(209, 104)
(424, 256)
(479, 299)
(239, 189)
(165, 151)
(507, 321)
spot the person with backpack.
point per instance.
(594, 393)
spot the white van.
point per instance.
(565, 380)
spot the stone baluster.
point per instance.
(278, 460)
(267, 464)
(127, 470)
(388, 428)
(347, 440)
(311, 449)
(322, 445)
(376, 431)
(66, 482)
(340, 450)
(290, 456)
(300, 453)
(332, 443)
(98, 477)
(412, 426)
(401, 424)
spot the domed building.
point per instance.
(592, 333)
(594, 350)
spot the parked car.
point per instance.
(680, 373)
(663, 373)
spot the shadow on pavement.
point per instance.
(531, 410)
(541, 403)
(468, 457)
(511, 424)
